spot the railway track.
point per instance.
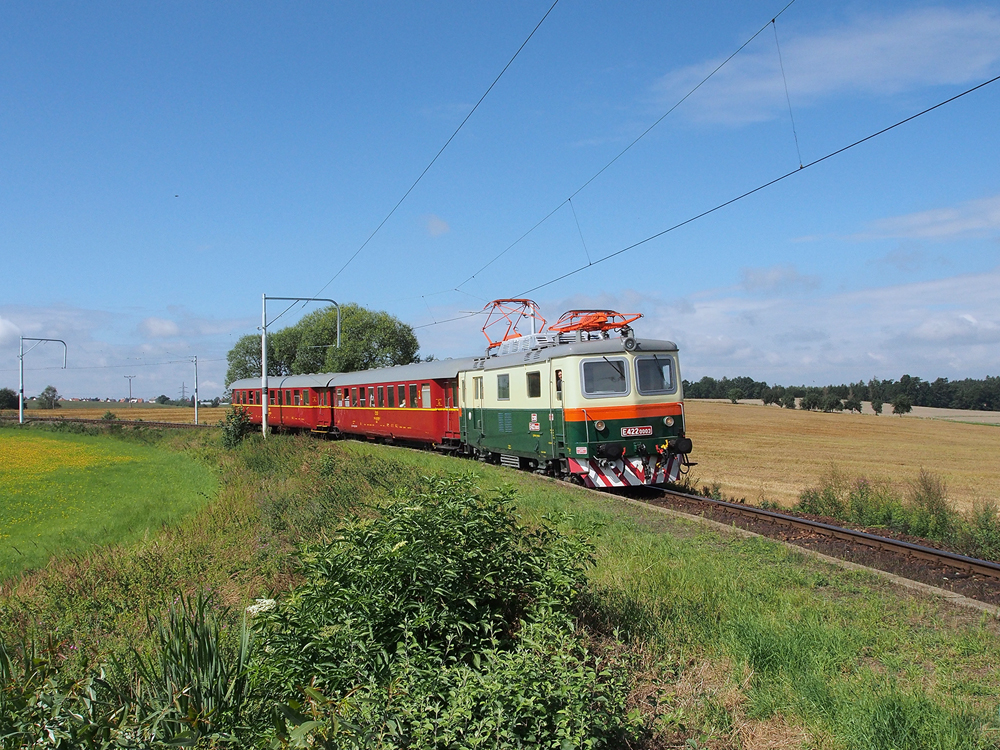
(898, 546)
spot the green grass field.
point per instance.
(63, 493)
(735, 642)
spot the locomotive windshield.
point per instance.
(655, 375)
(605, 377)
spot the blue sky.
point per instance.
(165, 165)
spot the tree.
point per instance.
(831, 402)
(369, 339)
(811, 401)
(8, 398)
(162, 399)
(734, 395)
(788, 400)
(877, 405)
(49, 398)
(902, 404)
(768, 396)
(853, 403)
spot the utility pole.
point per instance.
(196, 390)
(129, 377)
(264, 397)
(20, 368)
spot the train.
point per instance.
(573, 401)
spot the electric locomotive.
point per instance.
(573, 402)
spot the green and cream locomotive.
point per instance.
(578, 402)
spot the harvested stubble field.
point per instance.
(767, 453)
(126, 413)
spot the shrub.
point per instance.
(441, 623)
(930, 514)
(877, 406)
(788, 400)
(235, 426)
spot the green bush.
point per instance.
(440, 623)
(235, 426)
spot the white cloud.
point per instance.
(776, 278)
(159, 328)
(9, 332)
(944, 328)
(972, 219)
(870, 55)
(103, 346)
(436, 226)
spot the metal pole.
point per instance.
(196, 390)
(129, 377)
(263, 347)
(20, 357)
(20, 382)
(263, 367)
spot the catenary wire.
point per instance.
(788, 99)
(440, 151)
(762, 187)
(625, 150)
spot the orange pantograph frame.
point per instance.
(511, 312)
(593, 320)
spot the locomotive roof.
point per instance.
(449, 368)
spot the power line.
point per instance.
(761, 187)
(625, 150)
(441, 151)
(116, 367)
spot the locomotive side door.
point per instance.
(477, 407)
(557, 421)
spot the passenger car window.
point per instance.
(503, 387)
(534, 385)
(402, 396)
(605, 377)
(413, 397)
(655, 375)
(305, 397)
(391, 392)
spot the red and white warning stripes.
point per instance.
(629, 472)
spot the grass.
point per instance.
(734, 641)
(766, 453)
(63, 493)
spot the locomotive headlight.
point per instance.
(668, 421)
(599, 424)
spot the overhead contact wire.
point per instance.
(441, 150)
(625, 150)
(763, 186)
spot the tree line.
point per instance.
(368, 339)
(969, 393)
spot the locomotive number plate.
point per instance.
(637, 431)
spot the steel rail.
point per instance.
(972, 564)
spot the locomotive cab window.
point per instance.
(559, 385)
(605, 377)
(534, 380)
(655, 375)
(503, 387)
